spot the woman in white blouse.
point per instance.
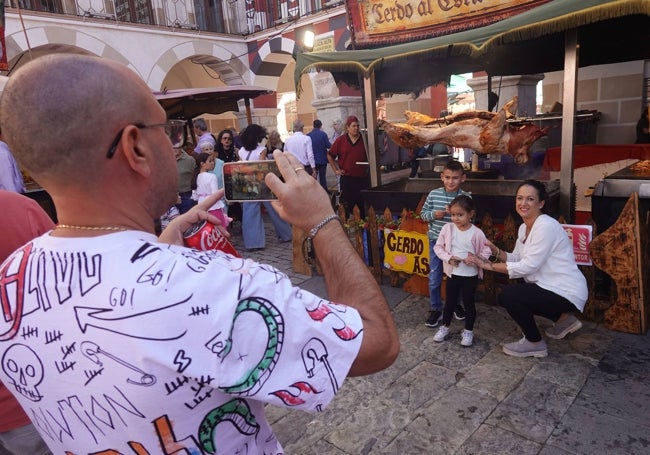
(553, 285)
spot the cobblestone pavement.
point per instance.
(591, 395)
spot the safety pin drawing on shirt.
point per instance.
(92, 351)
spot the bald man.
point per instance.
(120, 342)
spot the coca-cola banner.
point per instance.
(385, 22)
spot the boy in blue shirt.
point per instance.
(436, 212)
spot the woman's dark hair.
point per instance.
(464, 202)
(202, 158)
(223, 154)
(539, 187)
(226, 131)
(252, 135)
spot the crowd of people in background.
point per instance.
(204, 154)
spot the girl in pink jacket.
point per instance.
(456, 240)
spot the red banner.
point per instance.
(385, 22)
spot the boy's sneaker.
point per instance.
(459, 312)
(467, 338)
(434, 318)
(525, 348)
(441, 334)
(562, 329)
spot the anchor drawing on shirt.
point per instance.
(92, 352)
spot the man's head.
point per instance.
(337, 125)
(81, 106)
(200, 126)
(298, 125)
(317, 124)
(452, 175)
(352, 126)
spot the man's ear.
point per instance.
(136, 151)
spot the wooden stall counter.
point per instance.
(591, 163)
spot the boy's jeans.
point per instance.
(435, 278)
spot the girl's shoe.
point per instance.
(441, 334)
(467, 338)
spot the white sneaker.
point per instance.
(467, 338)
(441, 334)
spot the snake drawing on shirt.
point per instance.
(237, 411)
(253, 380)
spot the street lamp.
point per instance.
(308, 39)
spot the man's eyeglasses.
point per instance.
(174, 129)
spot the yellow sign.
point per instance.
(325, 44)
(406, 251)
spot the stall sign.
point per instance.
(406, 251)
(386, 22)
(580, 237)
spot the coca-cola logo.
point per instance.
(211, 239)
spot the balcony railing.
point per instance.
(235, 17)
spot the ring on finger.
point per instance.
(299, 169)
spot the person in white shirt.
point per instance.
(299, 145)
(554, 286)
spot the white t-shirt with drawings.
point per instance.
(122, 343)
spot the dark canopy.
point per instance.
(530, 42)
(191, 102)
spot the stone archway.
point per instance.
(48, 40)
(221, 61)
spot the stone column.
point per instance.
(506, 87)
(340, 107)
(266, 117)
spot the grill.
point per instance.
(611, 193)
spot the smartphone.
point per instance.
(243, 181)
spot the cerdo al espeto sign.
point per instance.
(384, 22)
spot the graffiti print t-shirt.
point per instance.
(121, 344)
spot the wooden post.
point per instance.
(300, 264)
(373, 244)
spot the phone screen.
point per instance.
(243, 181)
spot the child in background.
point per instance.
(456, 240)
(206, 184)
(217, 170)
(170, 214)
(436, 212)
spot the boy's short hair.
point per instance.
(455, 166)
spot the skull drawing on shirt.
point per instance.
(25, 370)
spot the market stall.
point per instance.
(541, 36)
(551, 36)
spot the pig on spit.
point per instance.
(482, 131)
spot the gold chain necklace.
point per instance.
(91, 228)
